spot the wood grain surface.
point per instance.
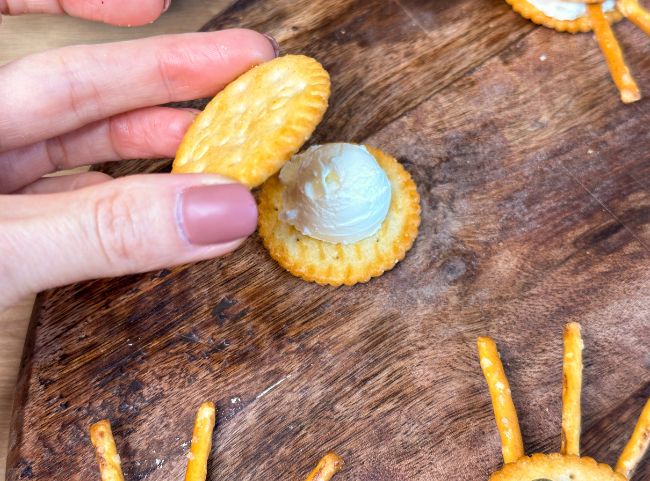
(534, 181)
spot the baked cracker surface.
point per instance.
(556, 467)
(255, 124)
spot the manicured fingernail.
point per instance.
(274, 44)
(216, 214)
(166, 5)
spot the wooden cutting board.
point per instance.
(535, 184)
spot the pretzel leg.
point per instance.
(636, 13)
(107, 457)
(327, 467)
(571, 389)
(637, 445)
(505, 414)
(613, 54)
(197, 466)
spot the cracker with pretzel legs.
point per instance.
(575, 16)
(568, 464)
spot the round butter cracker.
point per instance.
(556, 467)
(336, 264)
(254, 125)
(582, 24)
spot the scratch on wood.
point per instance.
(607, 209)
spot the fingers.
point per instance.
(153, 132)
(64, 183)
(116, 12)
(132, 224)
(62, 90)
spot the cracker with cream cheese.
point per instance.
(580, 24)
(336, 263)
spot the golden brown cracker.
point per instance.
(253, 126)
(556, 467)
(336, 264)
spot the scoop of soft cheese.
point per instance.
(335, 192)
(567, 10)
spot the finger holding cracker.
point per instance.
(505, 414)
(197, 466)
(107, 457)
(613, 54)
(571, 389)
(637, 445)
(326, 468)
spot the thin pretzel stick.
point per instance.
(571, 389)
(197, 466)
(505, 414)
(613, 54)
(636, 13)
(107, 457)
(327, 467)
(637, 445)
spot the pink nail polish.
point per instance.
(216, 214)
(166, 5)
(274, 44)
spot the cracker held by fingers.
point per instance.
(505, 414)
(571, 389)
(255, 124)
(637, 445)
(107, 457)
(613, 55)
(632, 10)
(197, 465)
(327, 467)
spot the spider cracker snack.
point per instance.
(585, 15)
(337, 213)
(567, 465)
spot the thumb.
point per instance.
(129, 225)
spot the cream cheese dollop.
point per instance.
(565, 10)
(335, 193)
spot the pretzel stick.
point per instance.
(107, 457)
(637, 445)
(613, 54)
(505, 414)
(197, 466)
(327, 467)
(636, 13)
(571, 389)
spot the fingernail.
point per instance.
(166, 5)
(274, 44)
(216, 214)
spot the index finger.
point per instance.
(115, 12)
(48, 94)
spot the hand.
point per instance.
(115, 12)
(87, 104)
